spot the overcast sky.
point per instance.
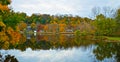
(74, 7)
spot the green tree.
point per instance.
(5, 2)
(118, 19)
(12, 19)
(105, 26)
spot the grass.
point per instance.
(114, 38)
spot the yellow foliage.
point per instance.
(5, 45)
(33, 39)
(63, 20)
(33, 25)
(3, 37)
(74, 25)
(10, 30)
(17, 28)
(22, 26)
(78, 22)
(22, 39)
(2, 24)
(54, 22)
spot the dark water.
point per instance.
(60, 48)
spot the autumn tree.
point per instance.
(4, 7)
(3, 36)
(33, 26)
(40, 27)
(62, 27)
(22, 26)
(7, 34)
(46, 28)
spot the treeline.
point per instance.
(12, 23)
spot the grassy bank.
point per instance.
(114, 38)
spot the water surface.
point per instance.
(62, 48)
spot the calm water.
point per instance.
(60, 48)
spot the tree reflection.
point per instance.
(102, 49)
(107, 50)
(7, 58)
(47, 42)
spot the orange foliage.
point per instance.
(46, 28)
(9, 35)
(45, 38)
(14, 36)
(62, 27)
(3, 7)
(62, 39)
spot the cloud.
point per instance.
(75, 7)
(68, 55)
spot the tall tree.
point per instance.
(105, 26)
(109, 12)
(118, 18)
(4, 7)
(95, 12)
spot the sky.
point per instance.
(53, 7)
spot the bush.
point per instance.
(84, 33)
(77, 32)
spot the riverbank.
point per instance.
(114, 38)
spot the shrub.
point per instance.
(84, 33)
(77, 32)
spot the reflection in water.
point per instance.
(69, 55)
(107, 50)
(7, 58)
(61, 48)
